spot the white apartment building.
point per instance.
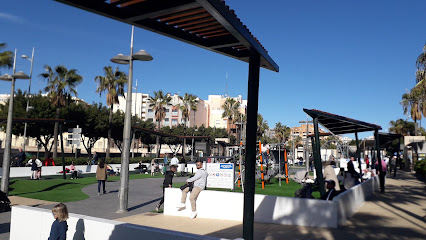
(140, 106)
(215, 110)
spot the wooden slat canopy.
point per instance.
(208, 24)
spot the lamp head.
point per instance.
(20, 75)
(25, 56)
(142, 55)
(121, 59)
(6, 77)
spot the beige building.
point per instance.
(301, 131)
(215, 110)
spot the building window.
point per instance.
(166, 120)
(150, 110)
(167, 110)
(150, 119)
(174, 122)
(175, 112)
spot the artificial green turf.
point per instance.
(271, 188)
(54, 188)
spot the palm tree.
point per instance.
(230, 111)
(402, 127)
(282, 132)
(61, 83)
(113, 83)
(421, 67)
(262, 125)
(159, 103)
(189, 104)
(414, 103)
(6, 57)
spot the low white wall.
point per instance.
(268, 209)
(54, 170)
(351, 200)
(35, 223)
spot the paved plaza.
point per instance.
(400, 213)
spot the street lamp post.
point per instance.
(28, 95)
(136, 103)
(124, 179)
(306, 147)
(8, 142)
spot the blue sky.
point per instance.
(351, 58)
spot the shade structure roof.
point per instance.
(339, 124)
(209, 24)
(386, 139)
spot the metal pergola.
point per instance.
(211, 25)
(341, 125)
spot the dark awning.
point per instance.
(339, 124)
(208, 24)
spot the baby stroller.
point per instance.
(301, 177)
(4, 202)
(142, 168)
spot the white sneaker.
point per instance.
(157, 209)
(193, 215)
(181, 205)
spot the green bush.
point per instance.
(420, 167)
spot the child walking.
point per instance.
(59, 226)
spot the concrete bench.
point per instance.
(274, 209)
(35, 223)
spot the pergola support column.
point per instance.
(379, 162)
(398, 156)
(317, 158)
(250, 161)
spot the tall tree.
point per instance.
(6, 57)
(113, 84)
(230, 111)
(403, 127)
(188, 105)
(61, 83)
(421, 67)
(262, 125)
(282, 132)
(159, 102)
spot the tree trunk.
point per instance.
(184, 143)
(109, 132)
(157, 142)
(55, 135)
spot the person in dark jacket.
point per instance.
(331, 191)
(59, 226)
(20, 158)
(167, 183)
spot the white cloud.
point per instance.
(12, 18)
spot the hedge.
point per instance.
(420, 167)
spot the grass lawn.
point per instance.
(272, 188)
(57, 189)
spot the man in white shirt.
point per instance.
(199, 180)
(174, 161)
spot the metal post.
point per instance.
(250, 162)
(279, 163)
(397, 157)
(379, 162)
(8, 142)
(317, 158)
(307, 143)
(358, 157)
(136, 103)
(62, 152)
(28, 100)
(124, 178)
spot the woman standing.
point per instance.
(101, 176)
